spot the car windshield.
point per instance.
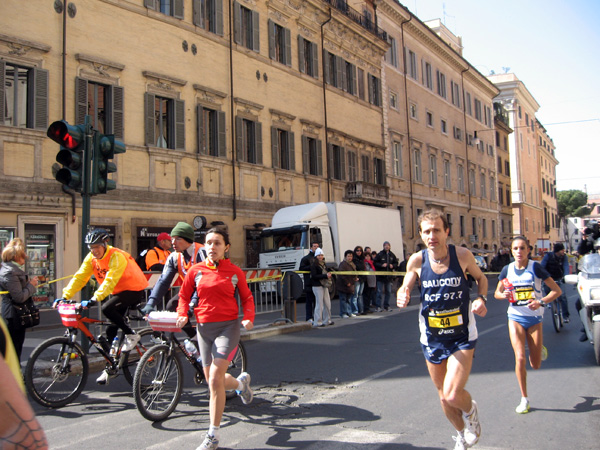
(590, 265)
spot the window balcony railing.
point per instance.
(367, 193)
(359, 18)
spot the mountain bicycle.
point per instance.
(58, 368)
(557, 318)
(158, 380)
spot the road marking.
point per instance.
(489, 330)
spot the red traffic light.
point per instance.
(66, 135)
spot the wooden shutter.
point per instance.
(40, 99)
(345, 80)
(178, 9)
(151, 4)
(274, 149)
(339, 62)
(179, 124)
(315, 59)
(255, 31)
(301, 56)
(305, 156)
(352, 81)
(2, 92)
(326, 68)
(258, 142)
(221, 135)
(292, 150)
(288, 47)
(271, 30)
(370, 87)
(200, 129)
(342, 163)
(118, 113)
(329, 160)
(319, 158)
(237, 22)
(239, 149)
(197, 13)
(81, 100)
(149, 117)
(379, 96)
(218, 10)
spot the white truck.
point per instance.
(336, 226)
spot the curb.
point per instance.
(274, 329)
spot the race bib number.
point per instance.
(524, 295)
(446, 325)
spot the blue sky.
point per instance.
(552, 46)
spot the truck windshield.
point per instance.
(284, 239)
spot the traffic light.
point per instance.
(71, 155)
(105, 149)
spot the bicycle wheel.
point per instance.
(158, 383)
(56, 372)
(237, 366)
(556, 319)
(129, 360)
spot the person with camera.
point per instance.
(19, 287)
(557, 265)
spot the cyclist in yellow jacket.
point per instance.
(118, 274)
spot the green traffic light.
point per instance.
(105, 148)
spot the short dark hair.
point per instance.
(347, 252)
(431, 215)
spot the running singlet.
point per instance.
(445, 303)
(528, 287)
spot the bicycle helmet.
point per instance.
(96, 236)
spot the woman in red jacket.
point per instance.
(215, 280)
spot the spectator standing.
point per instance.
(321, 282)
(385, 261)
(20, 288)
(345, 285)
(305, 264)
(357, 299)
(587, 243)
(370, 283)
(557, 265)
(156, 258)
(501, 259)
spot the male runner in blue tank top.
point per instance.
(446, 320)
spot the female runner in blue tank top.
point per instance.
(525, 311)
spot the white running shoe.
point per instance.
(103, 378)
(461, 444)
(246, 392)
(131, 340)
(472, 429)
(209, 443)
(523, 407)
(544, 353)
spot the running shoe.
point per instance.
(131, 340)
(472, 429)
(544, 353)
(566, 320)
(461, 444)
(209, 443)
(523, 407)
(245, 393)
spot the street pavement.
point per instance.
(359, 384)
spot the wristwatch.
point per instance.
(542, 303)
(482, 297)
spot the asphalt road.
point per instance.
(360, 384)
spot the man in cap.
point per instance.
(557, 265)
(157, 257)
(385, 261)
(186, 254)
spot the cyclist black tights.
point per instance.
(115, 307)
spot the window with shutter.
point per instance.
(23, 96)
(165, 122)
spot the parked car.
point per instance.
(481, 263)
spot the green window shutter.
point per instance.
(271, 30)
(237, 23)
(40, 99)
(218, 9)
(255, 31)
(342, 163)
(339, 62)
(200, 129)
(151, 4)
(118, 113)
(345, 80)
(149, 118)
(179, 124)
(353, 79)
(221, 135)
(2, 92)
(305, 156)
(239, 141)
(258, 142)
(315, 59)
(178, 9)
(301, 65)
(379, 97)
(288, 47)
(292, 151)
(274, 148)
(329, 160)
(81, 101)
(197, 13)
(319, 158)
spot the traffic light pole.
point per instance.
(88, 147)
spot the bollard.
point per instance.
(289, 308)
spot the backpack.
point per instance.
(141, 259)
(554, 267)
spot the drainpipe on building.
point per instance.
(410, 179)
(234, 204)
(462, 85)
(325, 105)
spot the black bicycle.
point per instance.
(58, 368)
(556, 311)
(158, 380)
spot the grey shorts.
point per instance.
(218, 340)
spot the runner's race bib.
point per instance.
(446, 325)
(523, 295)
